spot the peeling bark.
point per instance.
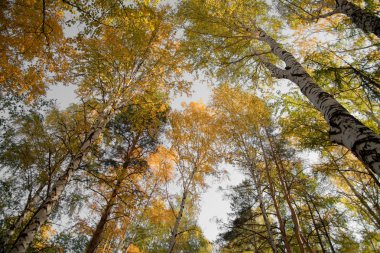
(345, 129)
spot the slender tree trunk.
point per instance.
(273, 194)
(97, 235)
(368, 22)
(345, 129)
(28, 210)
(374, 216)
(327, 234)
(302, 242)
(177, 221)
(315, 225)
(180, 213)
(41, 215)
(256, 180)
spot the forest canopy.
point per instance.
(294, 108)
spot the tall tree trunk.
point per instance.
(326, 232)
(28, 210)
(302, 242)
(315, 224)
(97, 235)
(41, 215)
(368, 22)
(268, 226)
(180, 213)
(276, 207)
(345, 129)
(177, 221)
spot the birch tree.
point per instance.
(234, 31)
(193, 140)
(365, 18)
(113, 70)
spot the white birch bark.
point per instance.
(41, 215)
(180, 213)
(177, 222)
(31, 203)
(345, 129)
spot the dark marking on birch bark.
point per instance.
(345, 128)
(367, 21)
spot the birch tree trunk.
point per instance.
(268, 226)
(31, 203)
(41, 215)
(368, 22)
(177, 221)
(180, 213)
(345, 129)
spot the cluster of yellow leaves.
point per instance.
(134, 249)
(159, 213)
(241, 111)
(162, 163)
(133, 57)
(194, 139)
(33, 49)
(46, 232)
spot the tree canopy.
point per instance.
(294, 108)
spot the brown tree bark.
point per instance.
(268, 226)
(302, 242)
(315, 224)
(273, 195)
(97, 235)
(325, 229)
